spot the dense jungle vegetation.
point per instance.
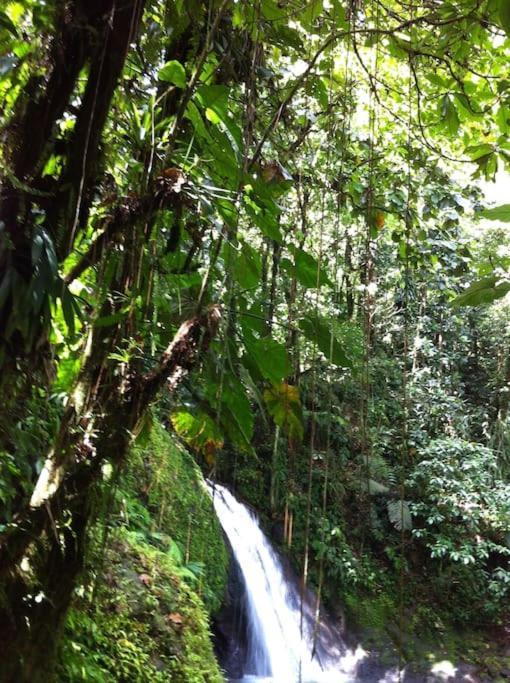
(249, 241)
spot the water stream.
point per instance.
(281, 645)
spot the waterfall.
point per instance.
(280, 622)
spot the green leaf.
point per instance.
(270, 357)
(311, 13)
(319, 332)
(504, 15)
(247, 267)
(497, 213)
(184, 280)
(306, 269)
(284, 406)
(199, 431)
(215, 98)
(503, 119)
(317, 88)
(193, 115)
(450, 115)
(271, 11)
(173, 72)
(69, 307)
(6, 23)
(107, 320)
(399, 514)
(484, 291)
(265, 220)
(234, 398)
(479, 151)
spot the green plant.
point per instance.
(462, 516)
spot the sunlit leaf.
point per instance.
(284, 406)
(497, 213)
(173, 72)
(484, 291)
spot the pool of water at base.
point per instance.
(265, 679)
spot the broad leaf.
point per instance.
(234, 399)
(284, 406)
(173, 72)
(305, 269)
(319, 332)
(449, 115)
(270, 357)
(504, 15)
(399, 514)
(199, 431)
(247, 267)
(497, 213)
(484, 291)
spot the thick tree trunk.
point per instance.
(42, 547)
(30, 135)
(97, 34)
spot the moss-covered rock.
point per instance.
(142, 615)
(146, 624)
(166, 493)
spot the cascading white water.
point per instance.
(280, 637)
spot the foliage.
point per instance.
(143, 613)
(163, 483)
(146, 624)
(258, 223)
(463, 517)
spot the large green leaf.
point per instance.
(449, 115)
(284, 406)
(193, 114)
(270, 358)
(504, 15)
(245, 263)
(264, 219)
(319, 332)
(214, 98)
(70, 308)
(312, 11)
(305, 269)
(199, 431)
(484, 291)
(497, 213)
(173, 72)
(234, 398)
(271, 10)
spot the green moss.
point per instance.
(160, 574)
(147, 623)
(370, 612)
(164, 481)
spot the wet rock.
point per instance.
(229, 626)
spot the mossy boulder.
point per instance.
(157, 571)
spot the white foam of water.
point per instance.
(280, 642)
